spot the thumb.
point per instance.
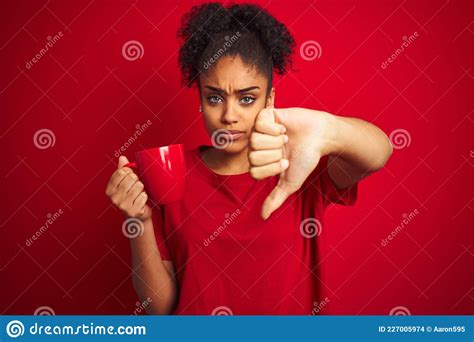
(276, 198)
(122, 161)
(266, 114)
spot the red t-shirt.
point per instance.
(227, 259)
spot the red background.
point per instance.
(92, 98)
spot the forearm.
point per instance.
(150, 277)
(358, 143)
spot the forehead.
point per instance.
(232, 72)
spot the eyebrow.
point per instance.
(238, 91)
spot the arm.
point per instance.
(356, 149)
(152, 277)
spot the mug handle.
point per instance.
(131, 164)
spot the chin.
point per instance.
(236, 147)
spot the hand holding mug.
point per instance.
(160, 172)
(125, 190)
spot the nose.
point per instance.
(230, 115)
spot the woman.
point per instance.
(243, 238)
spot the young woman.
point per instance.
(243, 239)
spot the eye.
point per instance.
(214, 99)
(246, 100)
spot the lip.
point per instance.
(233, 134)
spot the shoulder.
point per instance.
(191, 156)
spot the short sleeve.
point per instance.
(321, 180)
(160, 234)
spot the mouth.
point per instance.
(232, 134)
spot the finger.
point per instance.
(259, 158)
(259, 141)
(122, 161)
(276, 198)
(266, 114)
(134, 191)
(141, 200)
(116, 179)
(269, 127)
(127, 182)
(261, 172)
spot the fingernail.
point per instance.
(284, 163)
(285, 138)
(283, 129)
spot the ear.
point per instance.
(271, 99)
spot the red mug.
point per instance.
(162, 171)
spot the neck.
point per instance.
(226, 163)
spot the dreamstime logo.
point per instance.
(407, 40)
(221, 139)
(229, 41)
(319, 306)
(310, 50)
(310, 227)
(44, 311)
(400, 311)
(51, 219)
(141, 306)
(132, 227)
(15, 329)
(139, 130)
(51, 40)
(222, 311)
(400, 138)
(44, 138)
(406, 219)
(229, 218)
(132, 50)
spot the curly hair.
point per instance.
(211, 31)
